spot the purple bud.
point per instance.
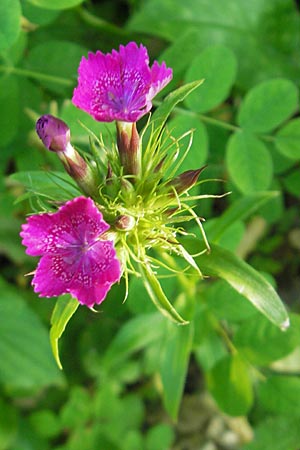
(186, 180)
(54, 133)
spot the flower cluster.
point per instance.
(132, 202)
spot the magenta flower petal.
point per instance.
(119, 86)
(75, 258)
(39, 233)
(161, 76)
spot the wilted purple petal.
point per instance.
(119, 86)
(74, 258)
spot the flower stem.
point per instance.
(36, 75)
(97, 22)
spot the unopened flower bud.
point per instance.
(186, 180)
(54, 133)
(125, 223)
(128, 142)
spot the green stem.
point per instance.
(97, 22)
(216, 122)
(36, 75)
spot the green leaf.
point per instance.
(276, 433)
(229, 383)
(287, 139)
(8, 424)
(46, 58)
(226, 303)
(38, 15)
(64, 309)
(174, 357)
(268, 104)
(45, 423)
(252, 29)
(162, 113)
(249, 162)
(197, 154)
(261, 342)
(187, 45)
(56, 4)
(218, 66)
(242, 277)
(160, 437)
(57, 186)
(26, 360)
(280, 395)
(291, 182)
(135, 335)
(10, 23)
(158, 296)
(10, 110)
(241, 209)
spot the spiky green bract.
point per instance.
(146, 211)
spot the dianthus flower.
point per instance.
(119, 85)
(75, 256)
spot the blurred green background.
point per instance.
(128, 373)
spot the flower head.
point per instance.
(119, 85)
(74, 257)
(54, 133)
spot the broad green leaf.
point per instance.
(268, 104)
(210, 351)
(26, 360)
(291, 182)
(218, 66)
(47, 57)
(46, 423)
(162, 113)
(158, 296)
(56, 4)
(230, 385)
(261, 342)
(10, 109)
(64, 309)
(252, 29)
(187, 45)
(249, 162)
(10, 23)
(8, 424)
(160, 437)
(287, 139)
(10, 226)
(174, 357)
(135, 335)
(241, 209)
(276, 433)
(197, 154)
(226, 303)
(38, 15)
(242, 277)
(280, 395)
(77, 409)
(53, 185)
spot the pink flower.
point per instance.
(119, 86)
(74, 258)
